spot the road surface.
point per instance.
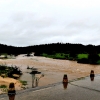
(81, 89)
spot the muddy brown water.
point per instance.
(53, 69)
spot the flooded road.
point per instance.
(87, 83)
(53, 69)
(80, 89)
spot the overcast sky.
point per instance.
(34, 22)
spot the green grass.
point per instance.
(65, 56)
(59, 55)
(3, 86)
(45, 55)
(56, 55)
(23, 82)
(80, 56)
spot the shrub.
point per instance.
(23, 82)
(80, 56)
(93, 58)
(83, 60)
(3, 86)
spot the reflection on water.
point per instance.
(27, 77)
(92, 83)
(92, 78)
(92, 75)
(31, 81)
(65, 84)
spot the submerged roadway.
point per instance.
(80, 89)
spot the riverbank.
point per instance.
(53, 69)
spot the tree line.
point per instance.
(66, 50)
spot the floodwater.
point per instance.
(26, 76)
(87, 83)
(53, 69)
(80, 89)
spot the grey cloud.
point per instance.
(83, 24)
(35, 22)
(27, 20)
